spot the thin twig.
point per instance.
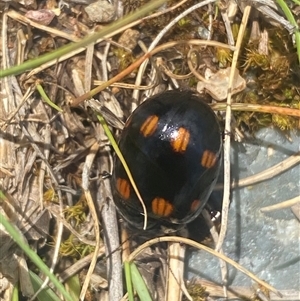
(282, 205)
(135, 94)
(114, 32)
(266, 174)
(196, 245)
(85, 185)
(226, 193)
(88, 67)
(247, 107)
(49, 29)
(138, 62)
(60, 224)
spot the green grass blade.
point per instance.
(74, 286)
(289, 15)
(47, 293)
(115, 146)
(139, 283)
(128, 281)
(47, 99)
(15, 294)
(33, 256)
(84, 42)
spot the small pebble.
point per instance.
(42, 16)
(101, 11)
(129, 38)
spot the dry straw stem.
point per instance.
(282, 205)
(266, 174)
(85, 184)
(193, 69)
(88, 67)
(226, 192)
(258, 108)
(81, 49)
(175, 285)
(59, 194)
(124, 85)
(51, 30)
(12, 115)
(138, 62)
(196, 245)
(93, 262)
(87, 40)
(161, 64)
(110, 226)
(80, 264)
(242, 293)
(160, 35)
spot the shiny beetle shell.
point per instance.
(172, 144)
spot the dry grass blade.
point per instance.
(268, 173)
(175, 285)
(89, 161)
(241, 293)
(138, 62)
(282, 205)
(226, 193)
(58, 33)
(194, 244)
(57, 166)
(258, 108)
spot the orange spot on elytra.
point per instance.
(162, 207)
(195, 205)
(123, 188)
(208, 159)
(180, 140)
(149, 126)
